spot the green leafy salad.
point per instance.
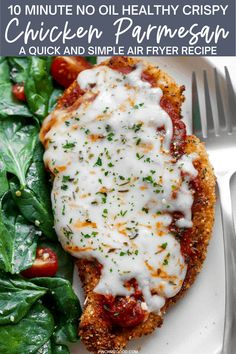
(39, 311)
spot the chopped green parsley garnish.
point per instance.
(110, 136)
(98, 162)
(68, 146)
(105, 110)
(65, 179)
(166, 262)
(104, 213)
(164, 245)
(64, 187)
(145, 210)
(137, 106)
(139, 157)
(122, 213)
(137, 127)
(93, 234)
(148, 179)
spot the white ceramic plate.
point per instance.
(195, 324)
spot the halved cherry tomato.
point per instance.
(45, 264)
(66, 69)
(19, 92)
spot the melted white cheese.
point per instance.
(116, 184)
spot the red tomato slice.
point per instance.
(45, 264)
(19, 92)
(66, 69)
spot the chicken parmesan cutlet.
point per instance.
(133, 196)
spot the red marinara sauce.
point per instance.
(73, 93)
(185, 236)
(188, 246)
(126, 312)
(179, 129)
(178, 140)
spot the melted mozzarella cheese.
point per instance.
(116, 184)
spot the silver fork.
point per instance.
(219, 133)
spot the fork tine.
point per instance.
(230, 119)
(196, 116)
(209, 115)
(220, 106)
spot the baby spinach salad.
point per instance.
(39, 310)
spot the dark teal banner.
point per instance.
(132, 27)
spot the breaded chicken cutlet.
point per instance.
(137, 222)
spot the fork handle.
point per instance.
(229, 338)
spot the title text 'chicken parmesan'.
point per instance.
(130, 194)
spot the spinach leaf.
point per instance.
(9, 105)
(92, 60)
(4, 185)
(62, 294)
(33, 209)
(28, 335)
(4, 71)
(65, 307)
(65, 261)
(5, 247)
(38, 87)
(18, 239)
(45, 349)
(19, 68)
(51, 348)
(53, 98)
(48, 62)
(66, 331)
(34, 200)
(16, 298)
(17, 142)
(60, 349)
